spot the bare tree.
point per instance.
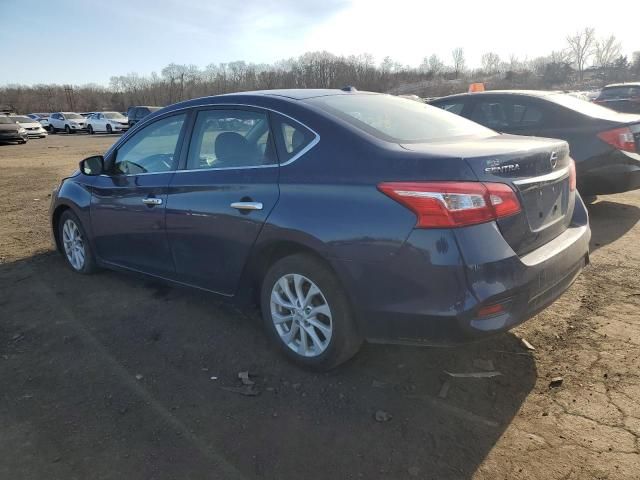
(458, 61)
(607, 50)
(581, 46)
(491, 63)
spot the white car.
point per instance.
(70, 122)
(33, 127)
(109, 122)
(43, 118)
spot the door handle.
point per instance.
(247, 205)
(152, 201)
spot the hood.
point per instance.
(9, 127)
(30, 124)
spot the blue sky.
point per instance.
(67, 41)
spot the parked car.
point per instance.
(350, 215)
(135, 114)
(604, 144)
(33, 127)
(43, 118)
(622, 97)
(70, 122)
(11, 131)
(108, 122)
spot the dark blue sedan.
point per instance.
(348, 216)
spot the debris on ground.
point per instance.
(556, 382)
(246, 390)
(444, 390)
(526, 344)
(214, 378)
(491, 374)
(139, 376)
(378, 384)
(244, 377)
(382, 416)
(414, 471)
(486, 365)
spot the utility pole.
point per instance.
(68, 90)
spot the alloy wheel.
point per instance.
(73, 244)
(301, 315)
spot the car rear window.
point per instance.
(397, 119)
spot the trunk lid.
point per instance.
(538, 171)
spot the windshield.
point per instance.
(114, 115)
(70, 116)
(23, 119)
(584, 107)
(397, 119)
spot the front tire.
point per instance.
(75, 244)
(91, 132)
(307, 314)
(67, 129)
(109, 129)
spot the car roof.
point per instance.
(285, 95)
(624, 84)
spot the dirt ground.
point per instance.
(116, 377)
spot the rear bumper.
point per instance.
(616, 173)
(431, 291)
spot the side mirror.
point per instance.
(92, 165)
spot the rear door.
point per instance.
(128, 204)
(221, 196)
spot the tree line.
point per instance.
(587, 61)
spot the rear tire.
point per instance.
(319, 313)
(589, 199)
(52, 130)
(75, 244)
(91, 132)
(67, 129)
(109, 129)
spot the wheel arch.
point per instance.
(264, 256)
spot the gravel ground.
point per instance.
(117, 377)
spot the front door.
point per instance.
(128, 204)
(220, 198)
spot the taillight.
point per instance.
(572, 175)
(453, 204)
(620, 138)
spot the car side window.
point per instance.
(505, 114)
(456, 107)
(524, 114)
(291, 137)
(490, 113)
(230, 139)
(152, 149)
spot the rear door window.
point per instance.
(508, 114)
(230, 139)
